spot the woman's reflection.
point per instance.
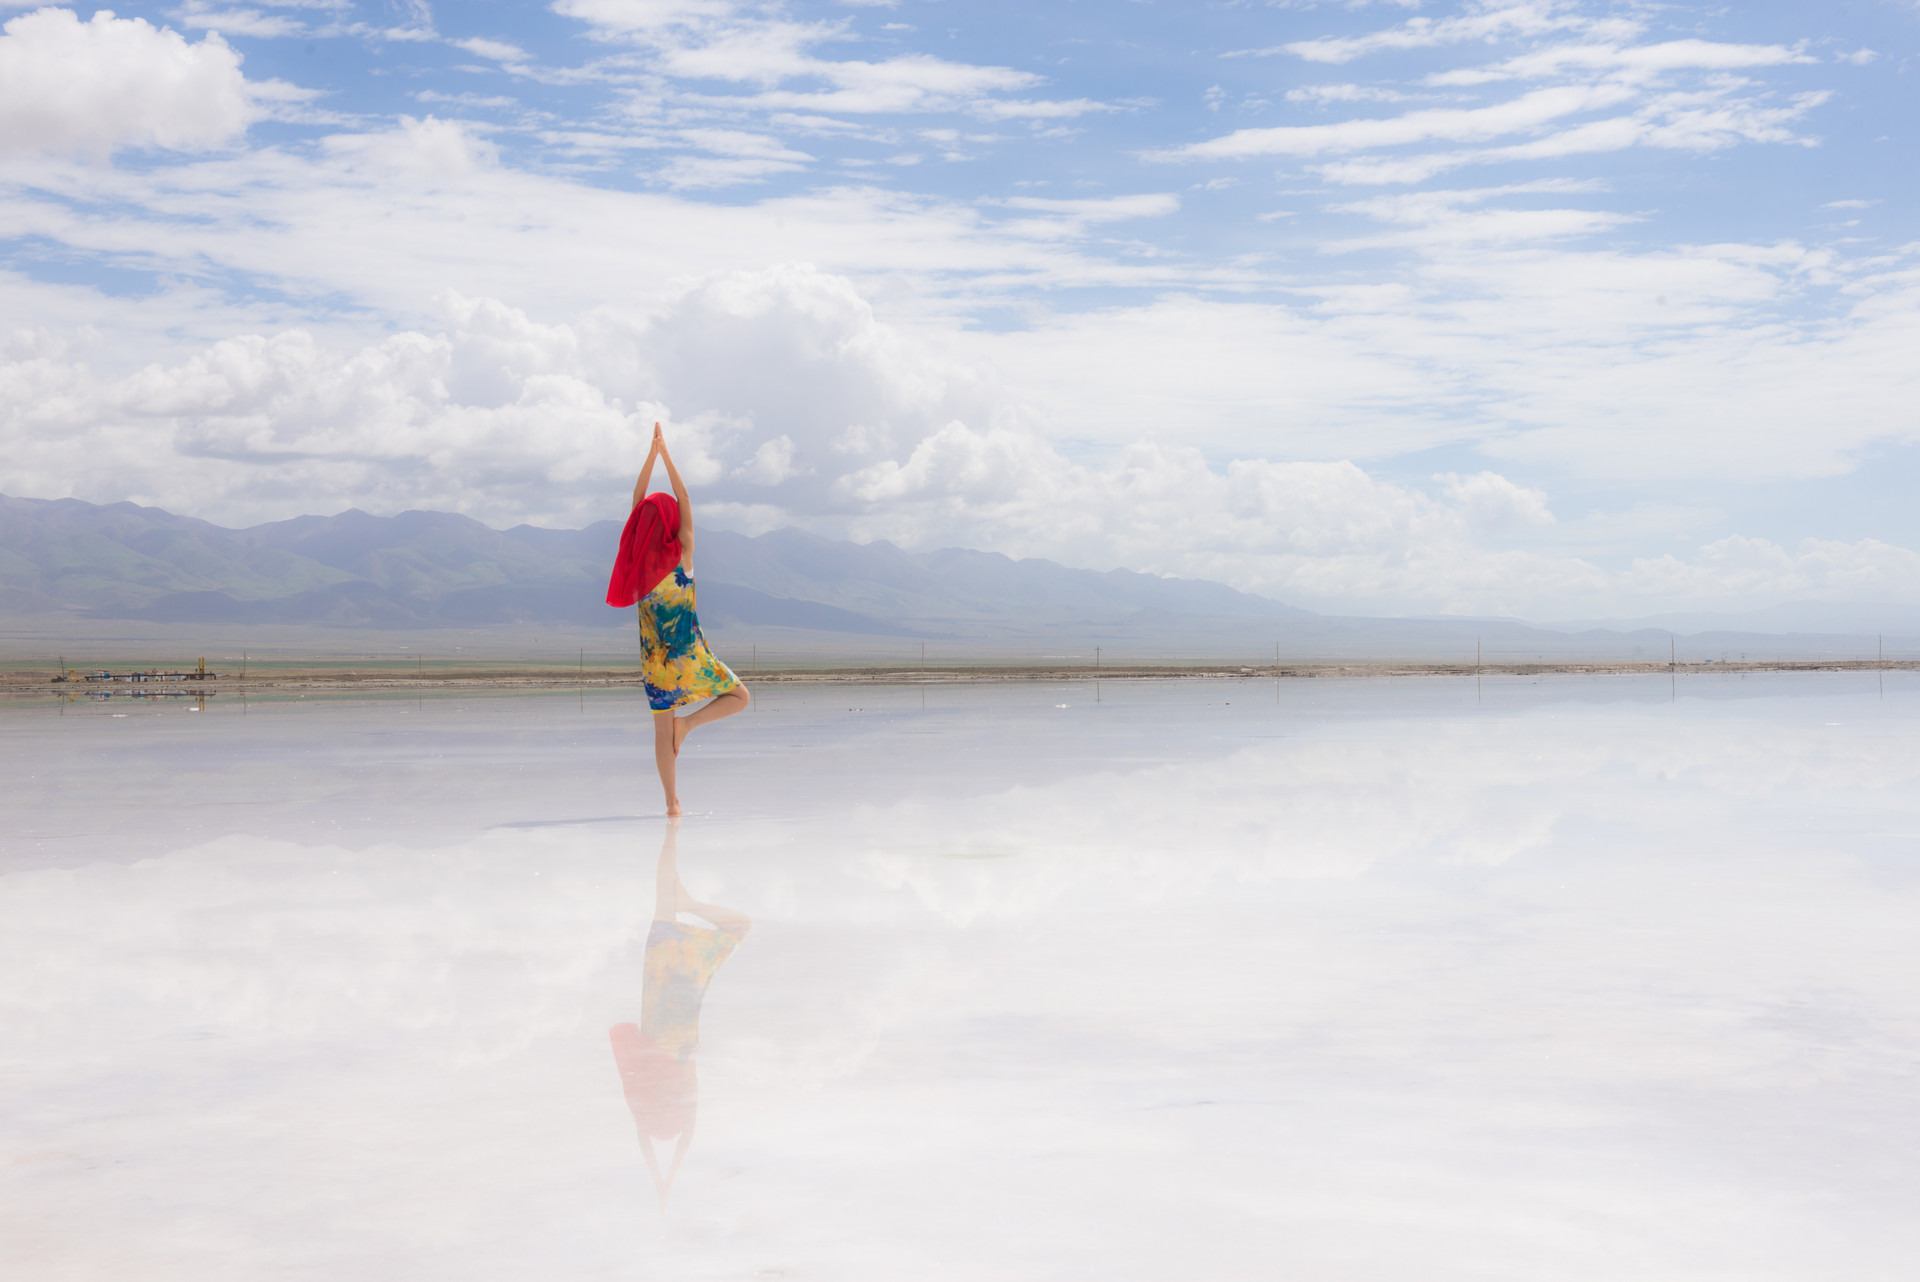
(656, 1058)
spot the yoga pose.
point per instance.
(655, 1056)
(655, 568)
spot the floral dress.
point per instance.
(680, 963)
(676, 663)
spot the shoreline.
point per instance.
(41, 683)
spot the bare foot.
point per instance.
(673, 808)
(681, 729)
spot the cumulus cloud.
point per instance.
(786, 396)
(1026, 369)
(765, 375)
(791, 402)
(1740, 569)
(421, 148)
(95, 86)
(1489, 501)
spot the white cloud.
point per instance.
(465, 99)
(1635, 62)
(238, 21)
(1035, 108)
(1344, 93)
(788, 397)
(923, 380)
(1601, 71)
(497, 50)
(1461, 217)
(1740, 569)
(92, 87)
(419, 148)
(556, 406)
(1702, 120)
(1446, 124)
(1481, 22)
(712, 40)
(614, 17)
(1705, 121)
(367, 218)
(737, 142)
(1491, 502)
(693, 173)
(771, 464)
(1077, 215)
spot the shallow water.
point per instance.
(1571, 978)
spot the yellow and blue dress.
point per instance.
(680, 962)
(676, 664)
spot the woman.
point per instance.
(655, 568)
(655, 1057)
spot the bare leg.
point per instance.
(731, 920)
(667, 893)
(734, 700)
(665, 745)
(670, 897)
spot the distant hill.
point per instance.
(424, 569)
(353, 572)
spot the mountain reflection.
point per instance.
(655, 1057)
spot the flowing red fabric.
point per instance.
(658, 1088)
(649, 549)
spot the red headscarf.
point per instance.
(649, 549)
(658, 1087)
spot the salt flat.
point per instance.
(1573, 978)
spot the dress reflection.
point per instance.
(655, 1057)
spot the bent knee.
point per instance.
(746, 696)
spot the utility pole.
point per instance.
(1096, 658)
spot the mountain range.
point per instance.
(123, 561)
(65, 558)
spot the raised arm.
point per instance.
(646, 473)
(679, 495)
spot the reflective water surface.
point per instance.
(1565, 979)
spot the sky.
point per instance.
(1549, 310)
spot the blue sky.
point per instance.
(1550, 309)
